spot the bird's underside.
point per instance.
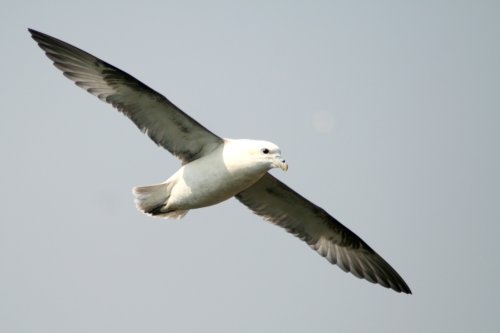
(185, 138)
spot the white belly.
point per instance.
(208, 181)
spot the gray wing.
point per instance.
(153, 114)
(279, 204)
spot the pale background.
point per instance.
(388, 113)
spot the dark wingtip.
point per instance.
(40, 36)
(34, 32)
(401, 287)
(36, 35)
(406, 290)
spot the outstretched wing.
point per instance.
(154, 114)
(279, 204)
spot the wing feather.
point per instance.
(279, 204)
(151, 112)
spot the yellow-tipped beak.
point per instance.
(284, 165)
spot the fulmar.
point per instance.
(215, 169)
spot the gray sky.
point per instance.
(388, 114)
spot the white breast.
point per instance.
(213, 178)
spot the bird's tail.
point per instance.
(152, 200)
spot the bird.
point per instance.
(214, 169)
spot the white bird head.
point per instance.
(264, 155)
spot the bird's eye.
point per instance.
(265, 151)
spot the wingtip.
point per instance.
(35, 34)
(400, 286)
(406, 290)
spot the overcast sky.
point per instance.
(388, 113)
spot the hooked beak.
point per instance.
(280, 163)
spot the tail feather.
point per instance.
(152, 200)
